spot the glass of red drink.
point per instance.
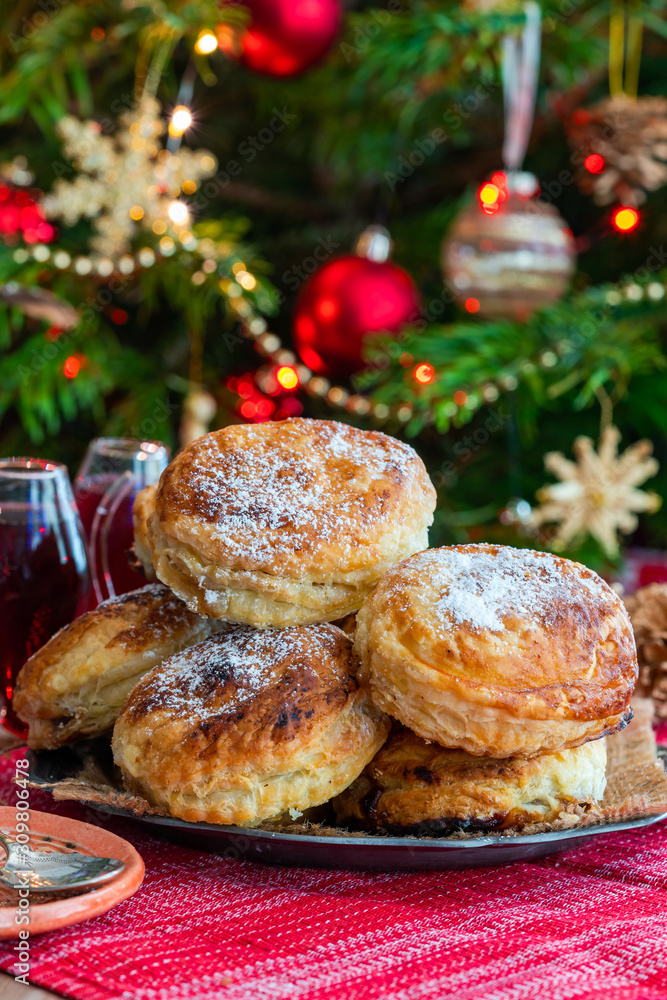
(44, 576)
(112, 473)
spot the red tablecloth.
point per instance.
(590, 924)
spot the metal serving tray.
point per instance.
(308, 850)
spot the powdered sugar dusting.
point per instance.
(484, 585)
(229, 669)
(314, 479)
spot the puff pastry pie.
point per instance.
(414, 787)
(75, 685)
(499, 651)
(249, 725)
(287, 523)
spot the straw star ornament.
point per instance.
(598, 493)
(126, 180)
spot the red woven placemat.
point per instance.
(590, 924)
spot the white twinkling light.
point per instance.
(178, 213)
(181, 120)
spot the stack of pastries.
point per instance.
(473, 691)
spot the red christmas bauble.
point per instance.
(21, 215)
(345, 300)
(286, 37)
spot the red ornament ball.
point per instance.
(22, 216)
(345, 300)
(286, 37)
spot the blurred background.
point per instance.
(186, 193)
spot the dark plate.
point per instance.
(368, 852)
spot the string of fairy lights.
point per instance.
(291, 374)
(285, 371)
(493, 192)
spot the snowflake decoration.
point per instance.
(598, 493)
(125, 180)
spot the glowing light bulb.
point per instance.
(178, 213)
(206, 43)
(72, 366)
(248, 409)
(488, 194)
(181, 119)
(424, 373)
(287, 377)
(246, 280)
(625, 219)
(594, 163)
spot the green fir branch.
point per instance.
(587, 342)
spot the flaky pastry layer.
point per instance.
(142, 511)
(74, 686)
(287, 523)
(501, 652)
(249, 725)
(412, 786)
(264, 600)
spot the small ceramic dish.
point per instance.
(59, 833)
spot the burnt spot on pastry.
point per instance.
(243, 681)
(424, 774)
(370, 801)
(445, 826)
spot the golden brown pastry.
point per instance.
(498, 651)
(348, 624)
(75, 685)
(648, 613)
(287, 523)
(249, 725)
(414, 787)
(142, 510)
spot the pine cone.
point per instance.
(648, 612)
(631, 137)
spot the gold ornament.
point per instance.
(630, 134)
(598, 493)
(125, 180)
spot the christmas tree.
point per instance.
(179, 180)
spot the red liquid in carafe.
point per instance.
(88, 495)
(43, 587)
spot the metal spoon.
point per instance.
(53, 872)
